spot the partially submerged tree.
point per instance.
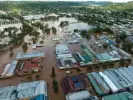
(122, 62)
(41, 42)
(127, 47)
(37, 77)
(123, 36)
(47, 30)
(105, 46)
(53, 73)
(54, 30)
(75, 30)
(83, 33)
(35, 34)
(78, 70)
(55, 85)
(11, 54)
(25, 47)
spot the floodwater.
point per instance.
(17, 25)
(49, 60)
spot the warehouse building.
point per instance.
(9, 69)
(65, 59)
(112, 80)
(36, 90)
(80, 95)
(119, 96)
(23, 56)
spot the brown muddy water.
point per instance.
(49, 60)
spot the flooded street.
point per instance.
(49, 60)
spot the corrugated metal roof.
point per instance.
(29, 55)
(119, 78)
(127, 71)
(81, 95)
(100, 81)
(97, 89)
(24, 90)
(106, 72)
(109, 82)
(12, 68)
(62, 49)
(119, 96)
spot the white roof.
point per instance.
(24, 86)
(81, 95)
(79, 36)
(65, 56)
(109, 82)
(12, 68)
(56, 38)
(33, 46)
(40, 88)
(6, 69)
(61, 49)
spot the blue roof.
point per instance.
(104, 56)
(78, 85)
(108, 41)
(40, 97)
(74, 79)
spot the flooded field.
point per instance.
(50, 59)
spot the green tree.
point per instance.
(11, 54)
(54, 82)
(127, 47)
(123, 36)
(55, 85)
(25, 47)
(78, 70)
(35, 34)
(47, 30)
(83, 33)
(87, 36)
(105, 46)
(122, 62)
(53, 73)
(41, 42)
(37, 77)
(54, 30)
(75, 30)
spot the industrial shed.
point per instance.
(112, 80)
(119, 96)
(36, 90)
(23, 56)
(95, 85)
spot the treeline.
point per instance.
(119, 6)
(8, 5)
